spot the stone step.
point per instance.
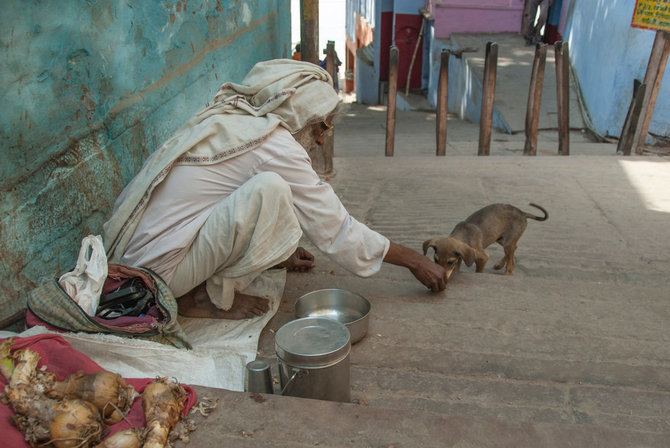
(258, 420)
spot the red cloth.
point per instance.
(62, 360)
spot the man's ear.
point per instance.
(319, 138)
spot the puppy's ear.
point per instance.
(428, 244)
(467, 253)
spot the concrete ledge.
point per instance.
(256, 420)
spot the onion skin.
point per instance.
(107, 391)
(163, 403)
(33, 414)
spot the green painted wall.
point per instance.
(89, 89)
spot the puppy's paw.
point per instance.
(499, 265)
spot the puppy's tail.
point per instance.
(538, 218)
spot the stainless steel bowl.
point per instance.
(351, 309)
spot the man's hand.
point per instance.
(300, 261)
(431, 274)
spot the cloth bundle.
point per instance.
(50, 306)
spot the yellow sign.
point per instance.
(652, 15)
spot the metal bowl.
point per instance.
(349, 308)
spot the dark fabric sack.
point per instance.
(50, 306)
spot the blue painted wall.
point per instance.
(89, 89)
(607, 55)
(465, 86)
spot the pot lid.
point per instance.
(312, 342)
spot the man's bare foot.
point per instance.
(299, 261)
(196, 303)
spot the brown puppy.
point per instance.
(501, 223)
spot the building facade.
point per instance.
(606, 53)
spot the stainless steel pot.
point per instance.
(313, 359)
(349, 308)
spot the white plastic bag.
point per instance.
(84, 284)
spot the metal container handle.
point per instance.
(297, 374)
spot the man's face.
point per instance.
(313, 135)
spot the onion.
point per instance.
(130, 438)
(163, 403)
(25, 368)
(76, 424)
(107, 391)
(66, 423)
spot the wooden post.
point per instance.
(526, 18)
(329, 139)
(328, 152)
(309, 31)
(442, 103)
(391, 108)
(652, 79)
(631, 124)
(330, 59)
(534, 99)
(563, 96)
(488, 95)
(321, 155)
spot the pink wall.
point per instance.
(476, 16)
